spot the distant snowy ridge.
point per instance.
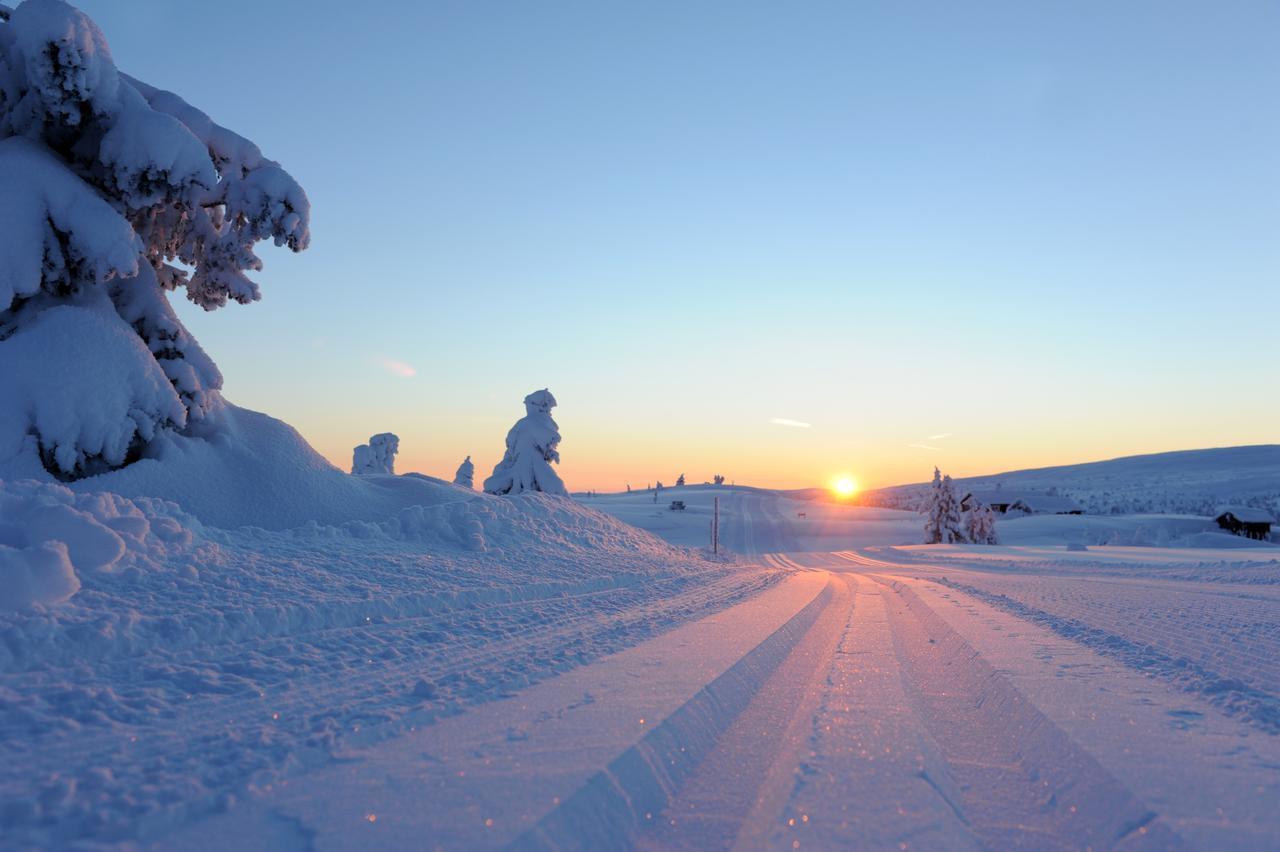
(1193, 482)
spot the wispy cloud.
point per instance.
(923, 446)
(397, 368)
(795, 424)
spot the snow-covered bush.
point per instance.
(980, 524)
(942, 512)
(111, 193)
(531, 447)
(377, 456)
(466, 474)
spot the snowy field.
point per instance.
(488, 671)
(760, 520)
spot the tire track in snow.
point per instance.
(1233, 697)
(1023, 782)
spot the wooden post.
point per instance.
(715, 528)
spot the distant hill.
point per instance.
(1192, 482)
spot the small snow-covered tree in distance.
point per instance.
(942, 512)
(466, 474)
(680, 481)
(718, 479)
(377, 456)
(531, 448)
(980, 524)
(114, 192)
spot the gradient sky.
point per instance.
(1049, 232)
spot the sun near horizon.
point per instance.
(844, 486)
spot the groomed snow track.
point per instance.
(859, 703)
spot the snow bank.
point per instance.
(248, 468)
(51, 537)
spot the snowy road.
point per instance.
(908, 705)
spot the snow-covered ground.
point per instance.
(754, 520)
(488, 671)
(156, 668)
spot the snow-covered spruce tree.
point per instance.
(111, 193)
(377, 456)
(980, 524)
(466, 474)
(680, 481)
(942, 512)
(531, 447)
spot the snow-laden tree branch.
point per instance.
(113, 192)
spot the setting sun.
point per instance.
(844, 486)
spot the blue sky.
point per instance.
(1050, 230)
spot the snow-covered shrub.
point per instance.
(377, 456)
(531, 447)
(111, 193)
(942, 512)
(466, 474)
(980, 524)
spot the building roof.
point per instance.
(1247, 514)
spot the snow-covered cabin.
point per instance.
(1246, 521)
(1022, 502)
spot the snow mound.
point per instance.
(249, 469)
(50, 537)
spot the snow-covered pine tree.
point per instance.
(531, 447)
(980, 524)
(114, 192)
(377, 456)
(680, 481)
(718, 479)
(466, 474)
(930, 508)
(952, 527)
(942, 512)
